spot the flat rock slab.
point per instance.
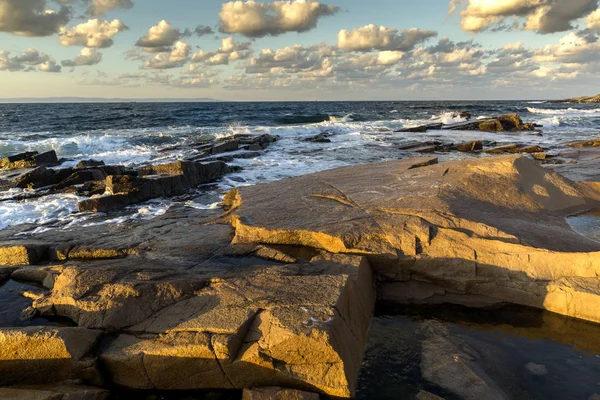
(490, 228)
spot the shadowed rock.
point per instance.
(30, 160)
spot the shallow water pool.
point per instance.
(454, 353)
(587, 224)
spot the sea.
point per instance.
(361, 132)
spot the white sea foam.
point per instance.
(448, 117)
(561, 111)
(44, 210)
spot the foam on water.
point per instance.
(568, 111)
(41, 211)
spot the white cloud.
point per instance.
(170, 59)
(86, 57)
(229, 51)
(99, 7)
(93, 33)
(543, 16)
(593, 20)
(31, 17)
(256, 19)
(159, 38)
(373, 37)
(50, 66)
(27, 61)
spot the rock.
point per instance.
(585, 143)
(53, 392)
(247, 154)
(490, 126)
(41, 177)
(465, 114)
(469, 146)
(455, 368)
(81, 177)
(89, 163)
(536, 369)
(23, 254)
(155, 181)
(540, 156)
(584, 99)
(528, 149)
(38, 355)
(511, 122)
(231, 145)
(520, 261)
(30, 160)
(507, 148)
(320, 138)
(416, 129)
(423, 395)
(277, 393)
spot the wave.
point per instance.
(448, 117)
(345, 118)
(302, 119)
(563, 111)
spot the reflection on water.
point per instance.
(587, 224)
(12, 304)
(507, 353)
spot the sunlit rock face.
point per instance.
(278, 288)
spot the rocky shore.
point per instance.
(273, 292)
(584, 99)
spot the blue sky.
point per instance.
(555, 56)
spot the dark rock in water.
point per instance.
(416, 129)
(421, 128)
(40, 177)
(226, 147)
(225, 158)
(469, 146)
(30, 160)
(81, 177)
(416, 145)
(247, 154)
(585, 143)
(504, 123)
(465, 114)
(257, 142)
(89, 163)
(320, 138)
(154, 181)
(502, 149)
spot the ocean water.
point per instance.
(361, 132)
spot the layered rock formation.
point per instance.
(278, 288)
(584, 99)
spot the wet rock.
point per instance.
(277, 393)
(54, 392)
(228, 146)
(41, 177)
(541, 156)
(502, 149)
(423, 395)
(416, 129)
(465, 114)
(469, 146)
(89, 163)
(247, 154)
(456, 368)
(81, 177)
(320, 138)
(504, 123)
(536, 369)
(38, 355)
(154, 181)
(30, 160)
(585, 143)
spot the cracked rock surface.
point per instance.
(278, 288)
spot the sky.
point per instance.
(300, 49)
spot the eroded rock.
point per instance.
(38, 355)
(277, 393)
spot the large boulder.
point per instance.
(30, 160)
(152, 182)
(483, 231)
